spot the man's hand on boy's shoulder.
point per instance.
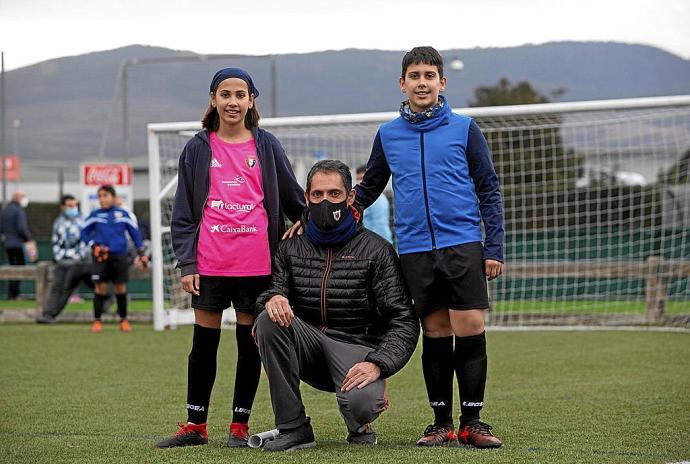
(493, 268)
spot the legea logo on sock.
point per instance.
(194, 407)
(471, 404)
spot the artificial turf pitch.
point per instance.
(69, 396)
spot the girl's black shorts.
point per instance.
(217, 293)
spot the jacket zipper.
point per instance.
(329, 259)
(426, 195)
(203, 205)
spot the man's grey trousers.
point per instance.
(302, 352)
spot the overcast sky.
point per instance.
(37, 30)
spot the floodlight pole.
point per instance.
(3, 134)
(274, 87)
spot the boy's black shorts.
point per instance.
(452, 278)
(217, 293)
(115, 269)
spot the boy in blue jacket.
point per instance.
(105, 232)
(444, 187)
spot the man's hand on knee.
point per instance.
(279, 310)
(360, 375)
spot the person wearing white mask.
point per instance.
(71, 257)
(15, 227)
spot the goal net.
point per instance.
(597, 206)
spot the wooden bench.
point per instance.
(42, 274)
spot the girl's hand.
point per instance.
(190, 284)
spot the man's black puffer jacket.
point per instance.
(354, 293)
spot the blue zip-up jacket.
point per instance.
(109, 227)
(15, 226)
(444, 183)
(282, 193)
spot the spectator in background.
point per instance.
(71, 258)
(377, 217)
(14, 225)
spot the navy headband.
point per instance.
(239, 73)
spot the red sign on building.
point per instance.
(12, 167)
(104, 174)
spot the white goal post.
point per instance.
(597, 206)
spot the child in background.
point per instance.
(105, 231)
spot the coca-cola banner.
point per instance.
(93, 175)
(103, 174)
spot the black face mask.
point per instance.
(327, 215)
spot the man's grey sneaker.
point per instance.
(187, 435)
(46, 319)
(292, 439)
(366, 437)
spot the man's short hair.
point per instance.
(361, 169)
(330, 166)
(66, 198)
(426, 55)
(107, 188)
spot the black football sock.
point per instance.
(201, 372)
(247, 374)
(121, 305)
(470, 368)
(98, 303)
(437, 365)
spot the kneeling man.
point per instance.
(337, 315)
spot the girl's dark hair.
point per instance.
(211, 120)
(426, 55)
(107, 188)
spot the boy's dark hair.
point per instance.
(426, 55)
(211, 120)
(66, 198)
(361, 169)
(107, 188)
(331, 166)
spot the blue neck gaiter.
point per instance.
(341, 234)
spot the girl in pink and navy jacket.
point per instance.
(235, 186)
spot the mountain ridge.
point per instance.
(63, 104)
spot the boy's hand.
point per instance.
(100, 253)
(141, 262)
(493, 268)
(296, 228)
